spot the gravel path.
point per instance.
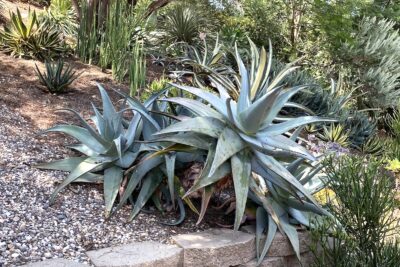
(31, 230)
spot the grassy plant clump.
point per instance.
(137, 69)
(111, 36)
(57, 77)
(30, 38)
(364, 212)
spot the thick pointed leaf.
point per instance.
(108, 108)
(270, 237)
(280, 102)
(170, 165)
(276, 167)
(66, 165)
(229, 143)
(280, 128)
(207, 194)
(214, 100)
(112, 182)
(261, 224)
(83, 168)
(241, 170)
(292, 234)
(195, 106)
(86, 125)
(150, 184)
(287, 145)
(187, 138)
(252, 117)
(83, 149)
(139, 171)
(260, 74)
(244, 95)
(90, 178)
(203, 125)
(300, 216)
(81, 134)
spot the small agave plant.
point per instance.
(253, 142)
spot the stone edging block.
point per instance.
(138, 254)
(56, 263)
(216, 247)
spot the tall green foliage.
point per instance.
(110, 41)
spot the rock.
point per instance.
(56, 263)
(268, 262)
(281, 246)
(139, 254)
(47, 255)
(216, 247)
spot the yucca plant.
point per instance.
(250, 141)
(30, 38)
(57, 77)
(182, 24)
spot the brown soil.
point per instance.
(21, 90)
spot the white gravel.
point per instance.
(31, 230)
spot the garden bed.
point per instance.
(30, 229)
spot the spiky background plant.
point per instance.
(57, 77)
(30, 38)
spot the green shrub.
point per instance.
(364, 210)
(57, 77)
(30, 39)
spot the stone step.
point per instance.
(56, 263)
(138, 254)
(216, 247)
(281, 246)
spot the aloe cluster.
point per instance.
(238, 132)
